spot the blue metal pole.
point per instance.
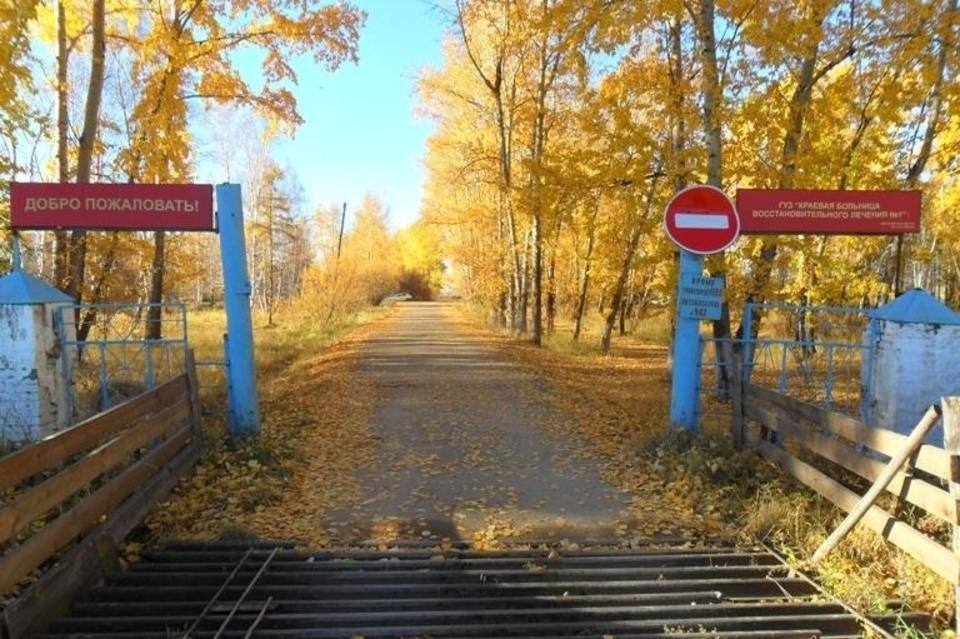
(685, 387)
(866, 393)
(241, 372)
(65, 353)
(747, 321)
(17, 258)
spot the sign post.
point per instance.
(169, 207)
(241, 369)
(701, 220)
(685, 381)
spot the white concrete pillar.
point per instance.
(33, 400)
(916, 360)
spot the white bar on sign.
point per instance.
(701, 221)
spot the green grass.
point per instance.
(291, 334)
(652, 330)
(562, 343)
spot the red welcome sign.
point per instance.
(828, 212)
(142, 207)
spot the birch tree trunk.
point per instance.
(630, 251)
(61, 251)
(678, 145)
(705, 19)
(536, 333)
(88, 139)
(616, 301)
(585, 281)
(551, 301)
(504, 124)
(929, 134)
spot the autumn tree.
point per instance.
(15, 83)
(278, 237)
(421, 257)
(510, 69)
(164, 58)
(187, 54)
(649, 97)
(355, 270)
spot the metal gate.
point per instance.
(823, 355)
(106, 357)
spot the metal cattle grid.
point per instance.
(235, 591)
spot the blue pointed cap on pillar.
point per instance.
(20, 288)
(917, 307)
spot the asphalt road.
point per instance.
(464, 451)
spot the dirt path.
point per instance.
(463, 448)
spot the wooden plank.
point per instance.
(951, 443)
(930, 458)
(82, 566)
(918, 492)
(18, 563)
(928, 552)
(917, 435)
(49, 452)
(36, 501)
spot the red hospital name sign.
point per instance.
(828, 212)
(169, 207)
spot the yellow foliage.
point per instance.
(813, 95)
(15, 80)
(187, 53)
(363, 267)
(160, 58)
(420, 254)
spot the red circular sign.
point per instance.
(702, 219)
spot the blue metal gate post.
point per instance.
(241, 371)
(866, 393)
(747, 321)
(685, 387)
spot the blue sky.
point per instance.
(361, 134)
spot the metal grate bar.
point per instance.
(243, 596)
(259, 618)
(216, 595)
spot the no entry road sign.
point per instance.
(702, 220)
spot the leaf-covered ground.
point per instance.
(616, 410)
(422, 425)
(315, 410)
(464, 447)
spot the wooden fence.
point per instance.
(74, 497)
(923, 475)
